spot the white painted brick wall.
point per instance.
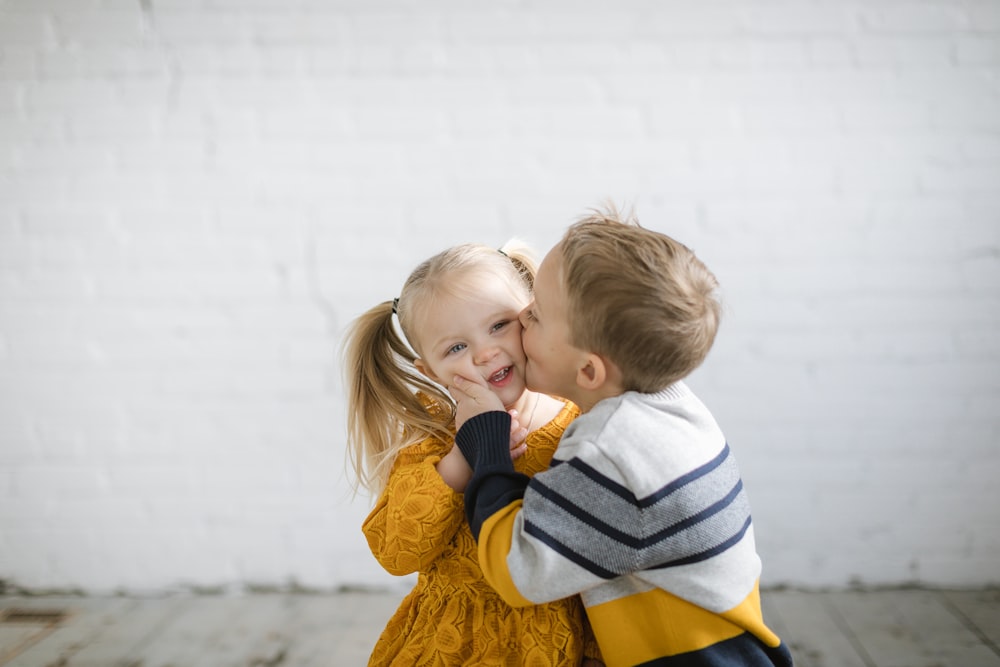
(196, 196)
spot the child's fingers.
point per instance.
(514, 423)
(518, 433)
(473, 390)
(518, 436)
(471, 399)
(456, 390)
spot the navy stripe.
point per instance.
(609, 484)
(687, 478)
(709, 511)
(625, 538)
(708, 553)
(743, 650)
(568, 553)
(600, 525)
(624, 492)
(584, 516)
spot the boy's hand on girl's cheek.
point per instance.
(471, 399)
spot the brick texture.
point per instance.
(196, 196)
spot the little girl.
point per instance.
(458, 314)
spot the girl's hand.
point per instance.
(518, 437)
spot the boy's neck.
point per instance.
(675, 391)
(587, 400)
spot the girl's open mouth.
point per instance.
(501, 377)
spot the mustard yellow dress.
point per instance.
(452, 616)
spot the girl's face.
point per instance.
(475, 337)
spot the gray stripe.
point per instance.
(616, 534)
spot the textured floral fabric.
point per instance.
(452, 616)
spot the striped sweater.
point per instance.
(643, 513)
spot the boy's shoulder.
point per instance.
(669, 431)
(676, 402)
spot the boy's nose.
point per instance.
(523, 315)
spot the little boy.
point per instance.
(642, 511)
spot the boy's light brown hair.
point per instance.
(637, 297)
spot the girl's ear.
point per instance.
(426, 370)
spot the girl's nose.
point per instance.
(486, 354)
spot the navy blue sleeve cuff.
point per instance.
(485, 443)
(485, 440)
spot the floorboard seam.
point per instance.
(841, 622)
(967, 622)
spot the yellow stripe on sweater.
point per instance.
(656, 624)
(495, 539)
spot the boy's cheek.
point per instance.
(526, 343)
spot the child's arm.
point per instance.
(482, 427)
(493, 503)
(494, 484)
(402, 540)
(579, 523)
(455, 470)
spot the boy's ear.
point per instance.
(425, 369)
(593, 373)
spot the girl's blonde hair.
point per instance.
(390, 404)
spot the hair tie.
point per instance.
(395, 306)
(500, 250)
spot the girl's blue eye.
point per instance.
(500, 325)
(457, 347)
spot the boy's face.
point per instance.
(552, 360)
(475, 338)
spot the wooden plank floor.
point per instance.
(891, 628)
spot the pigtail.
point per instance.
(523, 258)
(384, 409)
